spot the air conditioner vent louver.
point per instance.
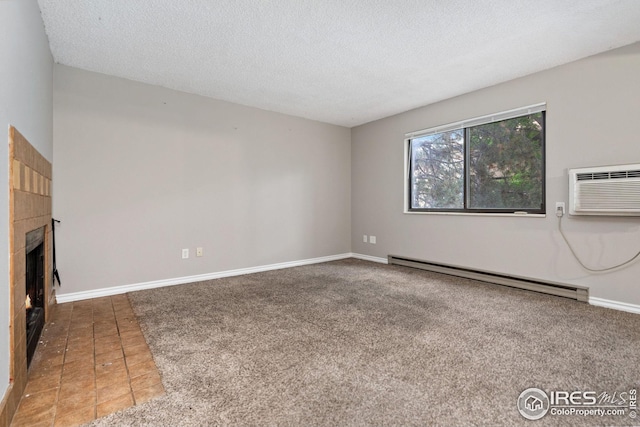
(607, 190)
(618, 175)
(601, 175)
(607, 175)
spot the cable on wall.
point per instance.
(559, 214)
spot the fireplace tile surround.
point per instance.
(29, 209)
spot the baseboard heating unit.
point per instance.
(579, 293)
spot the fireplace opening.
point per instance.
(34, 298)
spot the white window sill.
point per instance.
(519, 215)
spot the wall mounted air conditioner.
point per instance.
(605, 190)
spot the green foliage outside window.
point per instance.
(493, 167)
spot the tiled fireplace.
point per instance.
(29, 215)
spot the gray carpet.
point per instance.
(357, 343)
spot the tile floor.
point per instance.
(92, 360)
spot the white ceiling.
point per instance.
(345, 62)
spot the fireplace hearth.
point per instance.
(35, 295)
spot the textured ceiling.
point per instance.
(345, 62)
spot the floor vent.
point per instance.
(579, 293)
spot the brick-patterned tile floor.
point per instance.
(92, 360)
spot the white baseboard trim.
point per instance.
(370, 258)
(104, 292)
(616, 305)
(97, 293)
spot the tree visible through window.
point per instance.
(438, 171)
(491, 167)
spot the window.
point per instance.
(491, 164)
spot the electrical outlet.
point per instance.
(198, 251)
(364, 238)
(372, 240)
(560, 209)
(185, 253)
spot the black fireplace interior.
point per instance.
(34, 297)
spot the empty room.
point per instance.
(333, 213)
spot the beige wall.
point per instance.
(142, 172)
(592, 111)
(26, 103)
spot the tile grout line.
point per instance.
(95, 372)
(64, 358)
(124, 356)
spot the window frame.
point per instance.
(465, 125)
